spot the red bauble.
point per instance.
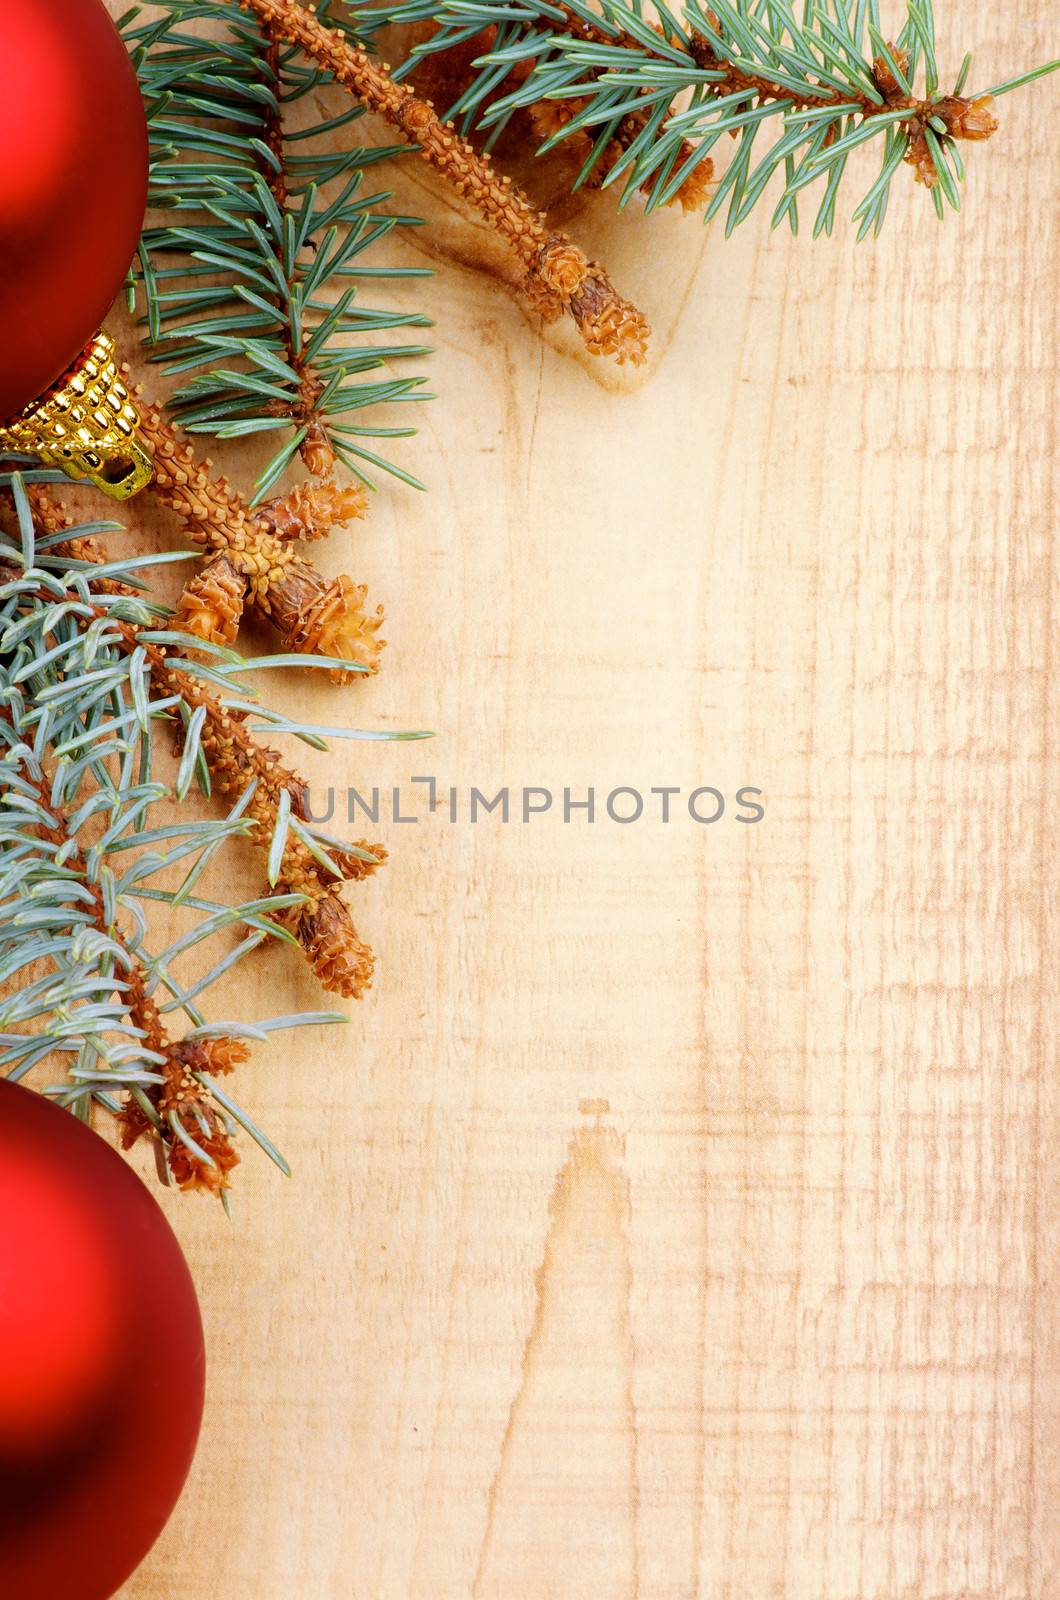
(101, 1358)
(73, 185)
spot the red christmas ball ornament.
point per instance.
(101, 1358)
(73, 185)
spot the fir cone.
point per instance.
(318, 617)
(324, 926)
(184, 1100)
(549, 117)
(181, 1097)
(235, 759)
(262, 561)
(310, 510)
(541, 299)
(353, 867)
(208, 1177)
(918, 156)
(968, 119)
(314, 614)
(133, 1125)
(885, 80)
(609, 325)
(220, 1056)
(211, 604)
(317, 451)
(561, 266)
(341, 962)
(694, 190)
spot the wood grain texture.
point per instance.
(677, 1216)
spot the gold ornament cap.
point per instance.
(86, 425)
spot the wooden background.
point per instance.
(677, 1216)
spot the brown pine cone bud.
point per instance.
(317, 452)
(416, 116)
(561, 266)
(211, 605)
(341, 962)
(918, 156)
(353, 867)
(968, 119)
(609, 325)
(328, 619)
(695, 189)
(311, 510)
(886, 82)
(541, 298)
(183, 1097)
(191, 1173)
(547, 117)
(221, 1055)
(469, 174)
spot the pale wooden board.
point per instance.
(677, 1216)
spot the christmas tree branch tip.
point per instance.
(642, 102)
(260, 242)
(93, 839)
(559, 277)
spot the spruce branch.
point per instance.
(559, 276)
(644, 99)
(305, 866)
(196, 1139)
(86, 675)
(277, 808)
(256, 248)
(253, 557)
(244, 770)
(444, 66)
